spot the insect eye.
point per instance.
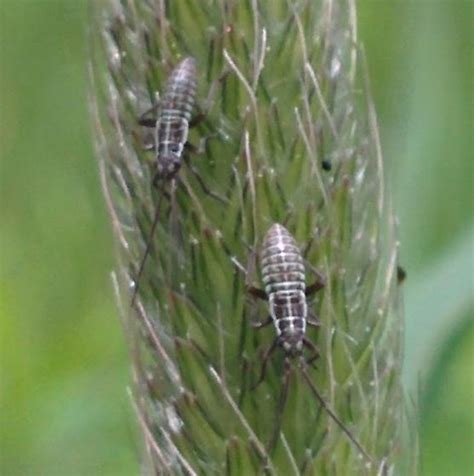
(174, 148)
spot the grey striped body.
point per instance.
(283, 275)
(172, 126)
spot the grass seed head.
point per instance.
(288, 135)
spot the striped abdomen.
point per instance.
(283, 275)
(176, 106)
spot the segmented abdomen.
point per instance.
(283, 275)
(176, 106)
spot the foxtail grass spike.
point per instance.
(274, 124)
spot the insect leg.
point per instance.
(253, 290)
(313, 319)
(266, 356)
(201, 149)
(147, 249)
(320, 280)
(197, 119)
(333, 415)
(318, 284)
(200, 180)
(261, 324)
(203, 111)
(151, 139)
(204, 187)
(148, 121)
(309, 345)
(313, 288)
(149, 146)
(257, 293)
(306, 248)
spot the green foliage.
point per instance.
(454, 371)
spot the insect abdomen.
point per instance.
(284, 279)
(281, 262)
(180, 91)
(172, 125)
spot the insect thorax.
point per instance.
(171, 137)
(289, 311)
(172, 134)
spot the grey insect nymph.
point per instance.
(283, 274)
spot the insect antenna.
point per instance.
(281, 407)
(156, 219)
(332, 414)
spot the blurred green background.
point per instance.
(64, 371)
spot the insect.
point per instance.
(283, 274)
(172, 125)
(401, 274)
(326, 165)
(170, 139)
